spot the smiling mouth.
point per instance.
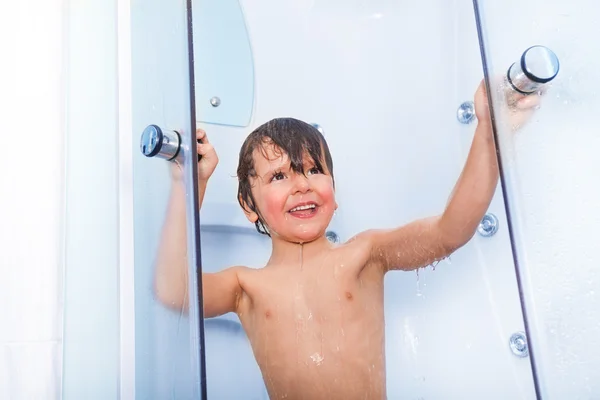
(303, 208)
(304, 211)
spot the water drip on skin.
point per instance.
(317, 358)
(434, 264)
(300, 323)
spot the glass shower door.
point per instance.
(550, 180)
(169, 353)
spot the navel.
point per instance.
(349, 296)
(268, 314)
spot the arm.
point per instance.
(171, 277)
(425, 241)
(220, 290)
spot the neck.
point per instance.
(289, 253)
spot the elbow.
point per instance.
(454, 238)
(167, 296)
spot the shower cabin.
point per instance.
(514, 314)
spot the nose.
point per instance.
(301, 184)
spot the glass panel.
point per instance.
(225, 71)
(550, 174)
(168, 363)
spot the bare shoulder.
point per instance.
(243, 271)
(360, 249)
(249, 278)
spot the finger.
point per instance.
(205, 149)
(530, 101)
(175, 165)
(201, 135)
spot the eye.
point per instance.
(314, 170)
(277, 176)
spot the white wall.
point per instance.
(386, 91)
(31, 198)
(91, 269)
(552, 169)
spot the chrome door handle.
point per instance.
(161, 143)
(537, 66)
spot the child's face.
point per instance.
(295, 207)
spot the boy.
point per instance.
(314, 314)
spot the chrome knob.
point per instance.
(156, 142)
(537, 66)
(518, 344)
(215, 101)
(332, 237)
(318, 127)
(466, 112)
(488, 225)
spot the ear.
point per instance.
(251, 215)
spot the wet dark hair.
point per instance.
(288, 136)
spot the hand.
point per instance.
(520, 107)
(207, 164)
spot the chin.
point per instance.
(308, 236)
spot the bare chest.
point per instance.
(313, 312)
(326, 335)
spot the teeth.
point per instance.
(300, 208)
